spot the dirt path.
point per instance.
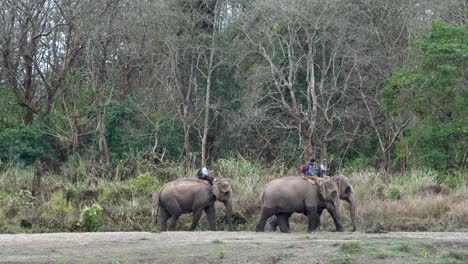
(234, 247)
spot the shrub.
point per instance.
(144, 184)
(59, 204)
(394, 193)
(11, 204)
(90, 219)
(26, 144)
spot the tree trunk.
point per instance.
(208, 88)
(28, 118)
(308, 149)
(207, 109)
(103, 148)
(187, 146)
(402, 155)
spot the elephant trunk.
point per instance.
(228, 205)
(352, 210)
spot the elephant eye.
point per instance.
(348, 189)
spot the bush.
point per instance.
(144, 184)
(394, 193)
(90, 219)
(25, 144)
(11, 204)
(59, 203)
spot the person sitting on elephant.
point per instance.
(203, 174)
(310, 171)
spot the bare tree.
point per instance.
(40, 43)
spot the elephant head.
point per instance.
(329, 192)
(346, 193)
(223, 192)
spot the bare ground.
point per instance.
(234, 247)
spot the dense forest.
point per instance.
(362, 83)
(93, 90)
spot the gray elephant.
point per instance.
(284, 196)
(192, 195)
(345, 193)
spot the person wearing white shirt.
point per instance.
(203, 174)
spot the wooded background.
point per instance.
(362, 83)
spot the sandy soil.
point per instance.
(219, 247)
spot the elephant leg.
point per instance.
(211, 214)
(336, 218)
(164, 214)
(172, 226)
(287, 218)
(319, 214)
(196, 218)
(284, 222)
(312, 215)
(266, 213)
(274, 222)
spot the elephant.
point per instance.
(184, 196)
(345, 193)
(284, 196)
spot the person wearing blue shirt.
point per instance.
(311, 170)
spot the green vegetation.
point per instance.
(87, 136)
(426, 202)
(394, 193)
(221, 254)
(351, 248)
(90, 219)
(433, 87)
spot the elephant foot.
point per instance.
(311, 232)
(259, 229)
(340, 229)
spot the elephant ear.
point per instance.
(329, 190)
(343, 185)
(215, 189)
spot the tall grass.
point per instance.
(418, 200)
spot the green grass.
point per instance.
(351, 248)
(221, 254)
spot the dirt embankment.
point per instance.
(234, 247)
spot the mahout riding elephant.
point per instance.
(284, 196)
(184, 196)
(345, 193)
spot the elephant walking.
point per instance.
(284, 196)
(345, 193)
(192, 195)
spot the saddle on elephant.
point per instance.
(204, 181)
(314, 179)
